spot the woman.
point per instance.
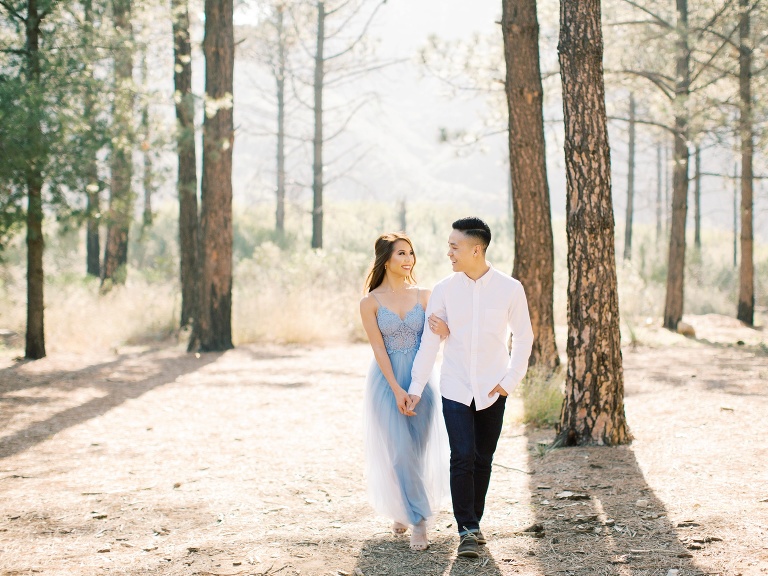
(406, 451)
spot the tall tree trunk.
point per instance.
(510, 206)
(317, 142)
(667, 186)
(92, 186)
(746, 308)
(186, 183)
(402, 214)
(593, 409)
(280, 78)
(630, 181)
(697, 199)
(148, 179)
(659, 188)
(35, 336)
(214, 322)
(121, 196)
(534, 247)
(735, 216)
(92, 241)
(673, 306)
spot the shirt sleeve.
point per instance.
(430, 344)
(519, 322)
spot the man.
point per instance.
(481, 305)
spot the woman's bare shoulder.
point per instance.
(424, 294)
(368, 302)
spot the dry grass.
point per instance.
(78, 318)
(286, 293)
(542, 395)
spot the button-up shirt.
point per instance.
(480, 315)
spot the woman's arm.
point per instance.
(368, 309)
(436, 324)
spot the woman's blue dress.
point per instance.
(406, 456)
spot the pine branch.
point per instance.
(725, 43)
(363, 32)
(362, 71)
(658, 19)
(351, 115)
(12, 11)
(669, 129)
(656, 79)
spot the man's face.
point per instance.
(462, 250)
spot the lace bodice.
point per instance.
(401, 335)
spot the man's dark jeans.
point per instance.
(473, 435)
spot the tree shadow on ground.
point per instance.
(16, 378)
(391, 555)
(596, 514)
(713, 370)
(115, 382)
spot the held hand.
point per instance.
(438, 326)
(403, 403)
(498, 390)
(412, 401)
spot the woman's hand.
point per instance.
(403, 402)
(438, 326)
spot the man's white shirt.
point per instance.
(480, 315)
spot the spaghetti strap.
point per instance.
(376, 298)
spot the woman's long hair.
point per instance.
(383, 248)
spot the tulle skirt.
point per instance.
(407, 457)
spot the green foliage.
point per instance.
(11, 158)
(52, 120)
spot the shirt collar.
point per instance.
(483, 280)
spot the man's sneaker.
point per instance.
(480, 538)
(468, 546)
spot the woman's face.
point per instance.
(402, 260)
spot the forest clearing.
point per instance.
(155, 461)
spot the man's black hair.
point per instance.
(475, 227)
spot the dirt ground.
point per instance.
(153, 461)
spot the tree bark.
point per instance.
(697, 199)
(186, 183)
(280, 79)
(35, 336)
(593, 409)
(148, 180)
(746, 307)
(534, 246)
(121, 196)
(92, 240)
(93, 188)
(630, 181)
(659, 187)
(317, 141)
(667, 204)
(735, 215)
(673, 306)
(214, 322)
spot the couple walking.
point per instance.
(473, 310)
